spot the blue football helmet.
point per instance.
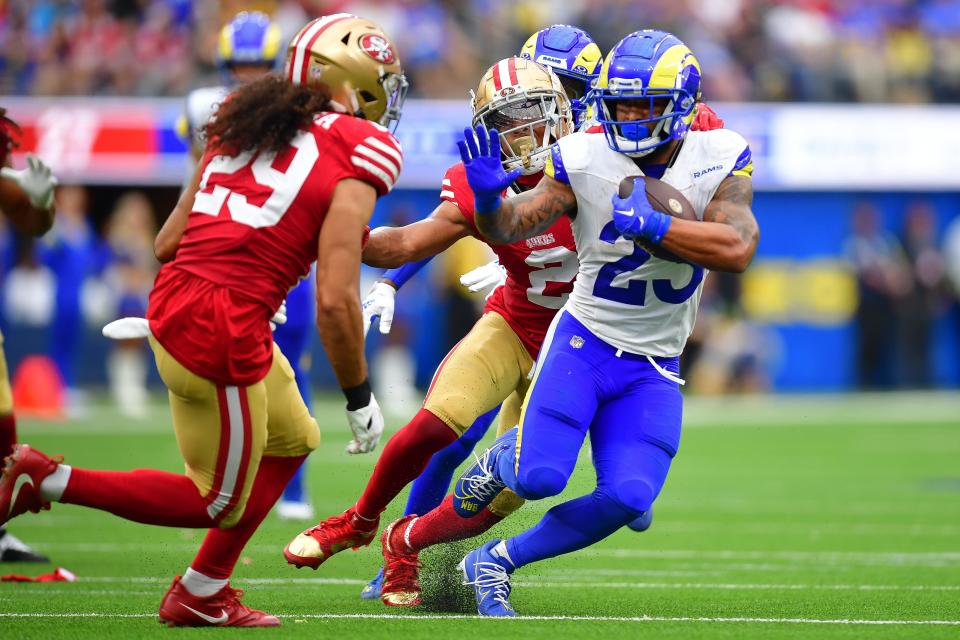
(250, 38)
(655, 67)
(572, 54)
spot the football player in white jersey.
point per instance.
(609, 364)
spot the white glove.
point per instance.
(367, 426)
(127, 329)
(280, 317)
(36, 180)
(379, 302)
(490, 275)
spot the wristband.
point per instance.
(655, 227)
(359, 396)
(400, 275)
(486, 203)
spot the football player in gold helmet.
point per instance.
(263, 204)
(490, 365)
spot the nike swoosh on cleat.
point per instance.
(223, 615)
(22, 479)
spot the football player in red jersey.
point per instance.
(528, 103)
(26, 199)
(291, 173)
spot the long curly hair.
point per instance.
(9, 136)
(265, 115)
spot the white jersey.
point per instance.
(201, 105)
(628, 298)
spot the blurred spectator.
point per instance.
(882, 277)
(73, 252)
(773, 50)
(951, 256)
(129, 235)
(922, 298)
(727, 353)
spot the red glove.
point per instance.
(706, 119)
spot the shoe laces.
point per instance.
(229, 597)
(403, 570)
(483, 485)
(493, 578)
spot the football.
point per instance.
(665, 199)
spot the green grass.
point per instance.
(777, 514)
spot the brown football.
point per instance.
(665, 199)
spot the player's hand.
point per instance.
(484, 278)
(706, 119)
(36, 180)
(367, 426)
(634, 217)
(280, 317)
(380, 303)
(480, 152)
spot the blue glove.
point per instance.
(484, 168)
(634, 218)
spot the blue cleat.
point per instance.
(372, 590)
(642, 522)
(487, 569)
(480, 482)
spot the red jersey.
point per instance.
(252, 234)
(540, 270)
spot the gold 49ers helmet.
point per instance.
(526, 103)
(356, 60)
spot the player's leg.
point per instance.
(477, 375)
(443, 523)
(429, 489)
(632, 458)
(11, 548)
(292, 434)
(220, 430)
(293, 338)
(536, 460)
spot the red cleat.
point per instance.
(314, 546)
(23, 471)
(180, 608)
(401, 567)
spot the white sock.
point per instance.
(53, 486)
(199, 584)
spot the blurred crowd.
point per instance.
(768, 50)
(905, 282)
(78, 276)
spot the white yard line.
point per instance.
(542, 584)
(415, 618)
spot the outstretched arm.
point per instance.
(528, 214)
(392, 247)
(523, 216)
(727, 238)
(167, 242)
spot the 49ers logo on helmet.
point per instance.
(377, 48)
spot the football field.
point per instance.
(807, 517)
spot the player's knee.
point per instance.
(634, 495)
(539, 482)
(506, 503)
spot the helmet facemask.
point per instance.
(667, 111)
(528, 123)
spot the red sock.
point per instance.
(221, 548)
(403, 459)
(142, 495)
(444, 524)
(8, 435)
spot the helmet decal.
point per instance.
(378, 48)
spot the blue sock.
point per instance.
(296, 489)
(567, 527)
(431, 487)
